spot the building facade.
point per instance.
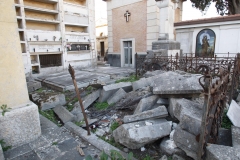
(133, 25)
(102, 37)
(56, 33)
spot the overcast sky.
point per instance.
(189, 12)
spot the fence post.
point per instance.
(136, 60)
(176, 61)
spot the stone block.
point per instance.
(63, 114)
(48, 101)
(109, 90)
(233, 113)
(162, 101)
(146, 104)
(116, 96)
(138, 134)
(159, 112)
(20, 125)
(89, 99)
(33, 85)
(1, 153)
(140, 84)
(169, 147)
(186, 141)
(219, 152)
(236, 137)
(175, 84)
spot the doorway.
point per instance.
(127, 47)
(102, 49)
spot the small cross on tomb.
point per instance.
(127, 14)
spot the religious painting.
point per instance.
(205, 43)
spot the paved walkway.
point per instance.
(54, 144)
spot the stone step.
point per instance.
(236, 137)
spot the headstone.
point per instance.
(160, 112)
(174, 84)
(216, 152)
(138, 134)
(236, 137)
(63, 114)
(233, 113)
(146, 104)
(116, 96)
(109, 90)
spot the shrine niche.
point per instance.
(205, 43)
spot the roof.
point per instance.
(209, 20)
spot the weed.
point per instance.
(90, 88)
(4, 148)
(4, 109)
(49, 114)
(40, 90)
(114, 126)
(101, 106)
(70, 107)
(226, 123)
(147, 157)
(54, 143)
(80, 123)
(132, 78)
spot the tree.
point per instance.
(224, 7)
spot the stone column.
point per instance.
(21, 123)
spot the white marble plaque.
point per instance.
(234, 113)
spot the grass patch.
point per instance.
(40, 90)
(49, 114)
(114, 126)
(4, 148)
(132, 78)
(226, 123)
(101, 106)
(70, 107)
(80, 123)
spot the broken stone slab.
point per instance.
(89, 99)
(178, 107)
(160, 112)
(1, 153)
(47, 101)
(175, 84)
(153, 73)
(109, 90)
(146, 104)
(220, 152)
(169, 147)
(186, 141)
(33, 86)
(77, 112)
(162, 101)
(235, 137)
(233, 113)
(140, 84)
(138, 134)
(116, 96)
(177, 157)
(100, 132)
(63, 114)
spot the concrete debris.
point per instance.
(79, 149)
(177, 84)
(160, 112)
(236, 137)
(90, 121)
(233, 113)
(169, 147)
(140, 84)
(153, 73)
(162, 101)
(63, 114)
(164, 158)
(176, 157)
(116, 96)
(186, 141)
(1, 153)
(89, 99)
(136, 137)
(110, 89)
(47, 101)
(146, 104)
(143, 149)
(77, 112)
(100, 132)
(33, 86)
(219, 152)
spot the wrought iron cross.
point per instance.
(127, 14)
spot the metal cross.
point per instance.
(127, 14)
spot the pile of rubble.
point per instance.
(166, 106)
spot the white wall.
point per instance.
(227, 36)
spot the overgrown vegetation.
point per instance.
(226, 123)
(4, 109)
(132, 78)
(49, 114)
(101, 106)
(114, 155)
(114, 126)
(4, 148)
